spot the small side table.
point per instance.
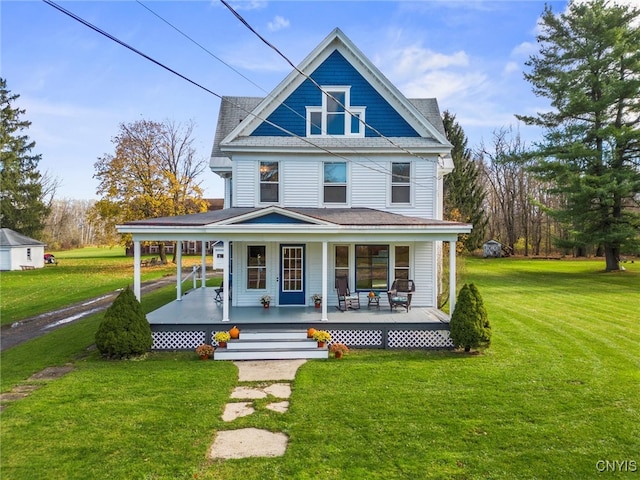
(373, 301)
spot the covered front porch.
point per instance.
(196, 317)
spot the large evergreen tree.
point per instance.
(21, 192)
(463, 190)
(588, 66)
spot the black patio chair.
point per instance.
(400, 293)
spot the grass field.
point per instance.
(80, 274)
(555, 394)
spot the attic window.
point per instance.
(336, 116)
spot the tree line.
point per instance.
(576, 192)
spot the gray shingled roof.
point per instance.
(234, 110)
(10, 238)
(337, 216)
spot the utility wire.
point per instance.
(308, 77)
(171, 70)
(381, 168)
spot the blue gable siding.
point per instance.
(273, 218)
(336, 70)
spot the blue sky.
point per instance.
(77, 86)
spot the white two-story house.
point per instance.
(334, 174)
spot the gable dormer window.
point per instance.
(336, 116)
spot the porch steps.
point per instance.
(271, 345)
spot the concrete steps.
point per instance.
(271, 345)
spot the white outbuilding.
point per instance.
(18, 252)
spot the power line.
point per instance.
(171, 70)
(308, 77)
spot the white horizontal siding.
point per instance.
(244, 183)
(300, 183)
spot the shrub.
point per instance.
(124, 330)
(469, 319)
(484, 316)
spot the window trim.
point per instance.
(261, 182)
(335, 261)
(254, 267)
(406, 184)
(357, 269)
(349, 113)
(336, 184)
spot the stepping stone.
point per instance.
(257, 370)
(51, 373)
(279, 390)
(248, 392)
(280, 407)
(248, 442)
(237, 410)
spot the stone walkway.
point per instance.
(33, 383)
(253, 442)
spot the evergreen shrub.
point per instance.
(470, 322)
(124, 330)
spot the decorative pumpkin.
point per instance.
(372, 294)
(234, 332)
(310, 332)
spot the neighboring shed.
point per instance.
(18, 252)
(492, 248)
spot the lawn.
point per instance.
(556, 393)
(79, 275)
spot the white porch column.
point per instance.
(452, 277)
(325, 263)
(225, 281)
(136, 269)
(179, 270)
(203, 271)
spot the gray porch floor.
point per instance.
(199, 307)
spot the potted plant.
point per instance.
(317, 299)
(322, 337)
(338, 349)
(205, 351)
(222, 338)
(265, 300)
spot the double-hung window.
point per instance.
(401, 269)
(256, 267)
(335, 182)
(341, 262)
(269, 182)
(336, 116)
(400, 183)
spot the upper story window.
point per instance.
(335, 182)
(401, 183)
(336, 116)
(269, 182)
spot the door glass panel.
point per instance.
(292, 269)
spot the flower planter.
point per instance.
(338, 354)
(321, 344)
(265, 305)
(318, 304)
(204, 357)
(222, 344)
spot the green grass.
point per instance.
(556, 392)
(80, 274)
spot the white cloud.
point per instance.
(278, 23)
(524, 49)
(510, 67)
(414, 58)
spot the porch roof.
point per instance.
(332, 216)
